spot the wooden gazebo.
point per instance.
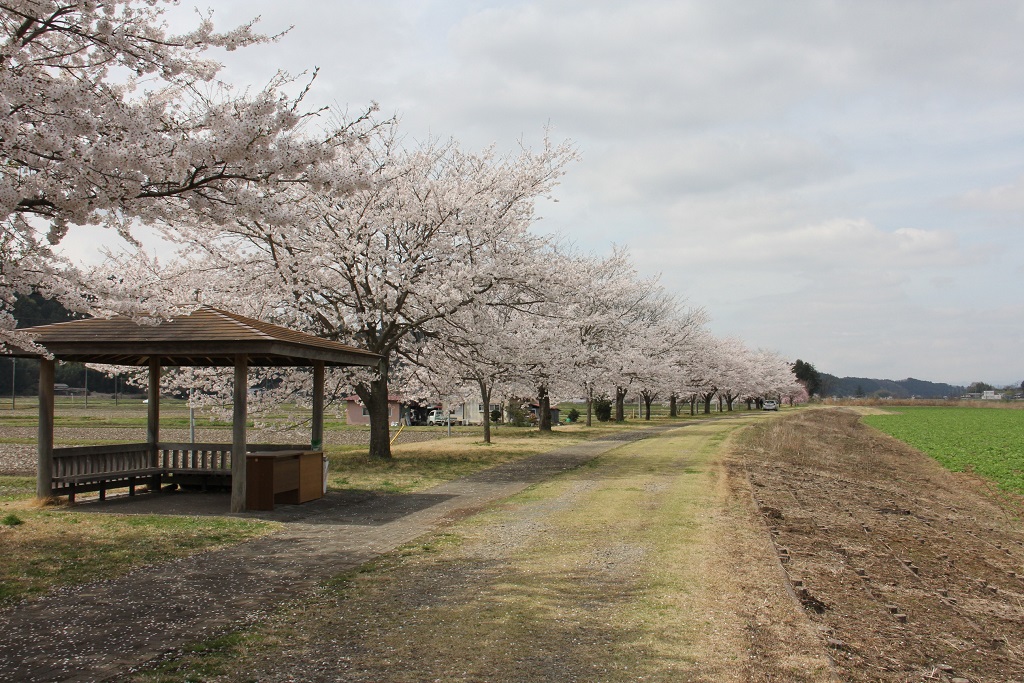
(208, 337)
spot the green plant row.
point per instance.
(987, 442)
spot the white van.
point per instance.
(440, 417)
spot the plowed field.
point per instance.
(913, 573)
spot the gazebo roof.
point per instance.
(206, 337)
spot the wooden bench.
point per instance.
(101, 481)
(82, 469)
(99, 468)
(197, 464)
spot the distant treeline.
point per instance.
(904, 388)
(34, 310)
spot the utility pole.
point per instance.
(14, 376)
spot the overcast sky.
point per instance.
(842, 182)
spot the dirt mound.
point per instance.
(914, 573)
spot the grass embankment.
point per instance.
(642, 565)
(986, 442)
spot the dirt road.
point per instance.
(647, 564)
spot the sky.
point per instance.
(841, 182)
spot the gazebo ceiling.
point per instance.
(206, 337)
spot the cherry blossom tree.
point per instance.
(489, 344)
(430, 230)
(669, 347)
(591, 317)
(641, 311)
(108, 118)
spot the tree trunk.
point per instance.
(375, 397)
(485, 395)
(707, 403)
(673, 407)
(544, 408)
(590, 405)
(693, 404)
(647, 404)
(620, 400)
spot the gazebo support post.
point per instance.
(317, 437)
(153, 418)
(238, 443)
(44, 472)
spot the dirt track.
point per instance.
(912, 572)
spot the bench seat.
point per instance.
(101, 481)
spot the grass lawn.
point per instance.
(43, 548)
(988, 442)
(420, 465)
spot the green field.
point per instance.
(985, 441)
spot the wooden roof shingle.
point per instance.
(206, 337)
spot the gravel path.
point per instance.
(98, 631)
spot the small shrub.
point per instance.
(517, 417)
(496, 415)
(11, 519)
(603, 408)
(573, 415)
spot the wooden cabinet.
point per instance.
(286, 477)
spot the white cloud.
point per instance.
(670, 169)
(1007, 198)
(831, 179)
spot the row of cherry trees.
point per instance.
(423, 253)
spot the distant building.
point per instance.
(357, 414)
(991, 396)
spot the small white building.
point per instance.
(991, 396)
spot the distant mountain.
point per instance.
(904, 388)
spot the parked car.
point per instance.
(771, 405)
(440, 417)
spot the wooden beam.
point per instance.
(153, 413)
(44, 472)
(153, 421)
(238, 442)
(317, 439)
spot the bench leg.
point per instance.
(131, 486)
(71, 494)
(103, 492)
